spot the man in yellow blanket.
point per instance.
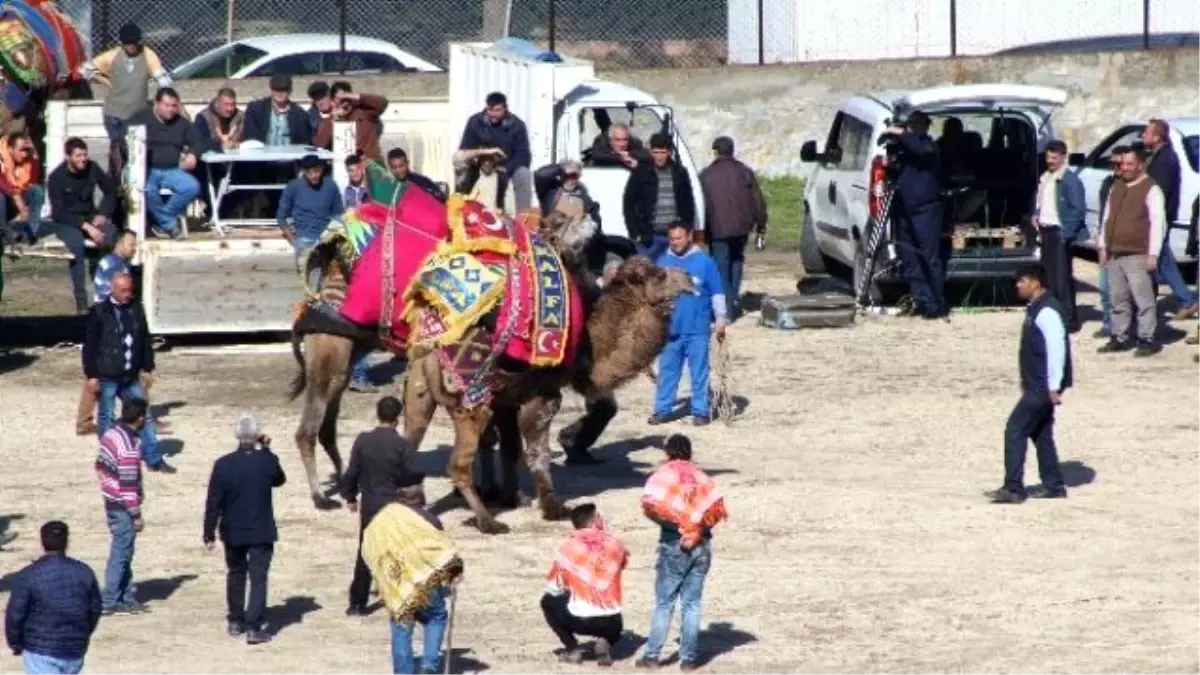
(413, 563)
(686, 504)
(583, 596)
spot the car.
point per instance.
(1185, 137)
(1006, 129)
(301, 55)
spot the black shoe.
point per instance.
(1146, 348)
(580, 458)
(700, 420)
(657, 419)
(235, 628)
(356, 610)
(647, 663)
(1114, 346)
(1102, 334)
(257, 637)
(1040, 492)
(162, 467)
(1003, 496)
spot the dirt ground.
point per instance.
(859, 540)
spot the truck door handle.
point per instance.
(832, 192)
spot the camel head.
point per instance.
(568, 235)
(657, 287)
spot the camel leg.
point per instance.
(578, 437)
(328, 434)
(489, 492)
(468, 427)
(534, 420)
(311, 421)
(419, 404)
(505, 421)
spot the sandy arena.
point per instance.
(859, 540)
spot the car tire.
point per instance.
(810, 251)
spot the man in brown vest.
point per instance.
(1130, 240)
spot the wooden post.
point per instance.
(344, 145)
(133, 181)
(56, 128)
(229, 14)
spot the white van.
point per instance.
(1006, 129)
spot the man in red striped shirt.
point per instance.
(119, 467)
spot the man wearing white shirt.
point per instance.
(1129, 242)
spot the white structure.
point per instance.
(836, 30)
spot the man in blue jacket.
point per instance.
(308, 203)
(54, 608)
(1059, 216)
(240, 507)
(918, 213)
(692, 324)
(1044, 360)
(496, 127)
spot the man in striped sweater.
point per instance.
(119, 467)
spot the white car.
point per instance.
(1185, 137)
(301, 55)
(1006, 129)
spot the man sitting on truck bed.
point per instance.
(74, 215)
(496, 127)
(172, 146)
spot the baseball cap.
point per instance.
(281, 82)
(129, 34)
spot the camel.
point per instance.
(626, 329)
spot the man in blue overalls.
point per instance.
(692, 324)
(918, 214)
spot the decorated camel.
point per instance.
(492, 313)
(41, 52)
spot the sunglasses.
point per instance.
(570, 176)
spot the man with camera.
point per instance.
(917, 212)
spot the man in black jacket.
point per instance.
(118, 362)
(276, 119)
(380, 462)
(496, 127)
(919, 216)
(173, 148)
(734, 206)
(240, 508)
(75, 218)
(54, 608)
(1163, 168)
(658, 193)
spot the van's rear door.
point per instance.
(1041, 102)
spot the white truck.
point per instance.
(246, 281)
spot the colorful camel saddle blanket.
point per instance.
(39, 44)
(409, 559)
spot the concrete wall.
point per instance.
(771, 110)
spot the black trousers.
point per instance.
(1059, 262)
(918, 245)
(582, 434)
(360, 585)
(1031, 419)
(242, 562)
(566, 625)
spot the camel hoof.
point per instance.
(491, 526)
(325, 504)
(552, 509)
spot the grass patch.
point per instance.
(785, 212)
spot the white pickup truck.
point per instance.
(246, 281)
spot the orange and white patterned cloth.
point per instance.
(589, 567)
(680, 493)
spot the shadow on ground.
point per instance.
(290, 613)
(153, 590)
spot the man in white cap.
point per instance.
(240, 508)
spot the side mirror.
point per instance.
(808, 152)
(1076, 159)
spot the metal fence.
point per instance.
(614, 33)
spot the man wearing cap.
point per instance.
(734, 206)
(125, 70)
(53, 609)
(277, 120)
(240, 509)
(308, 203)
(918, 212)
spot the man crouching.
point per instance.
(584, 593)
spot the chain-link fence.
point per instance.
(614, 33)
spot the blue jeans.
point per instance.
(679, 574)
(184, 187)
(50, 665)
(658, 247)
(433, 618)
(1169, 273)
(680, 348)
(110, 391)
(118, 573)
(730, 255)
(26, 230)
(1105, 302)
(361, 370)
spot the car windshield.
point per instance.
(1191, 145)
(220, 63)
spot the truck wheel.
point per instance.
(810, 251)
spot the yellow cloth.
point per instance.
(408, 558)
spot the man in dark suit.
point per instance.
(239, 506)
(277, 119)
(380, 463)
